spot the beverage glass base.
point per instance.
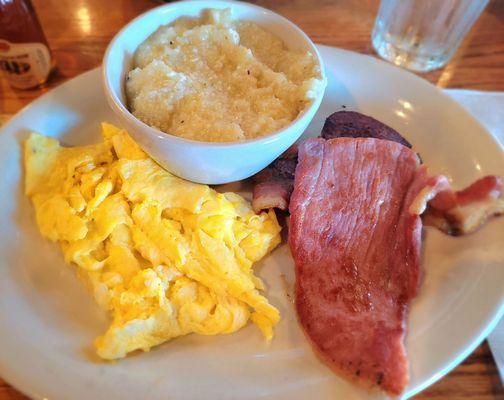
(422, 35)
(411, 59)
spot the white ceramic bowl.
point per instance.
(203, 162)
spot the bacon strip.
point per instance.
(274, 183)
(355, 235)
(271, 194)
(463, 212)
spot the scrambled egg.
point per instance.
(165, 256)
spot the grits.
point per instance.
(219, 80)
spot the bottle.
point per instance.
(25, 58)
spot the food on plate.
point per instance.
(218, 79)
(164, 256)
(355, 124)
(274, 184)
(358, 194)
(464, 211)
(453, 212)
(355, 235)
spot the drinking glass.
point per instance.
(423, 35)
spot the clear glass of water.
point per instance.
(423, 35)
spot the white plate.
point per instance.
(48, 321)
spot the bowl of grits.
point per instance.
(213, 90)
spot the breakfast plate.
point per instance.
(47, 320)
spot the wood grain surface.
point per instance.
(78, 32)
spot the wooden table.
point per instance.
(79, 30)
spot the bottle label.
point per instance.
(25, 65)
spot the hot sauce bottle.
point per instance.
(25, 58)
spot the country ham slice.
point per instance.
(355, 235)
(274, 183)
